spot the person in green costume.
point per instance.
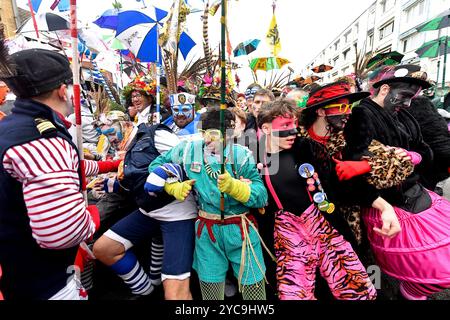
(234, 239)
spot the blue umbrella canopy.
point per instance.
(139, 32)
(109, 19)
(246, 47)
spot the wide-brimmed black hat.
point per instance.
(325, 95)
(407, 73)
(37, 71)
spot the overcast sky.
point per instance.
(305, 26)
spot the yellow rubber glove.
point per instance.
(239, 190)
(180, 190)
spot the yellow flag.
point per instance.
(273, 36)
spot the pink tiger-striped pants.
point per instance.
(308, 242)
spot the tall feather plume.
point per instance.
(194, 70)
(7, 67)
(206, 47)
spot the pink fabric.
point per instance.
(1, 296)
(418, 291)
(420, 253)
(416, 158)
(307, 243)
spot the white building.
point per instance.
(387, 25)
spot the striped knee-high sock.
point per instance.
(131, 272)
(156, 262)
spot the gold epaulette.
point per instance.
(44, 126)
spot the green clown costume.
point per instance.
(235, 239)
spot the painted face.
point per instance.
(284, 127)
(70, 102)
(401, 97)
(337, 114)
(283, 132)
(183, 115)
(113, 133)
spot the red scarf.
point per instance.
(315, 137)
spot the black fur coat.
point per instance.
(435, 133)
(370, 121)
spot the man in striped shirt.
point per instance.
(43, 217)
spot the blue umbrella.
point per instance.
(109, 19)
(139, 32)
(246, 47)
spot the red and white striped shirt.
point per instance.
(47, 169)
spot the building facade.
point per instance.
(11, 17)
(387, 25)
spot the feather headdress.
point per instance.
(7, 67)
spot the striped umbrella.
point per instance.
(441, 22)
(139, 32)
(434, 48)
(46, 21)
(108, 20)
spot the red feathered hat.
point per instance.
(325, 95)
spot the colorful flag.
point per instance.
(273, 37)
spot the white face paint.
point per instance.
(70, 99)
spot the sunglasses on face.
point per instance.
(212, 134)
(342, 107)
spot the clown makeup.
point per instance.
(401, 96)
(284, 126)
(183, 115)
(183, 110)
(70, 107)
(113, 133)
(337, 114)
